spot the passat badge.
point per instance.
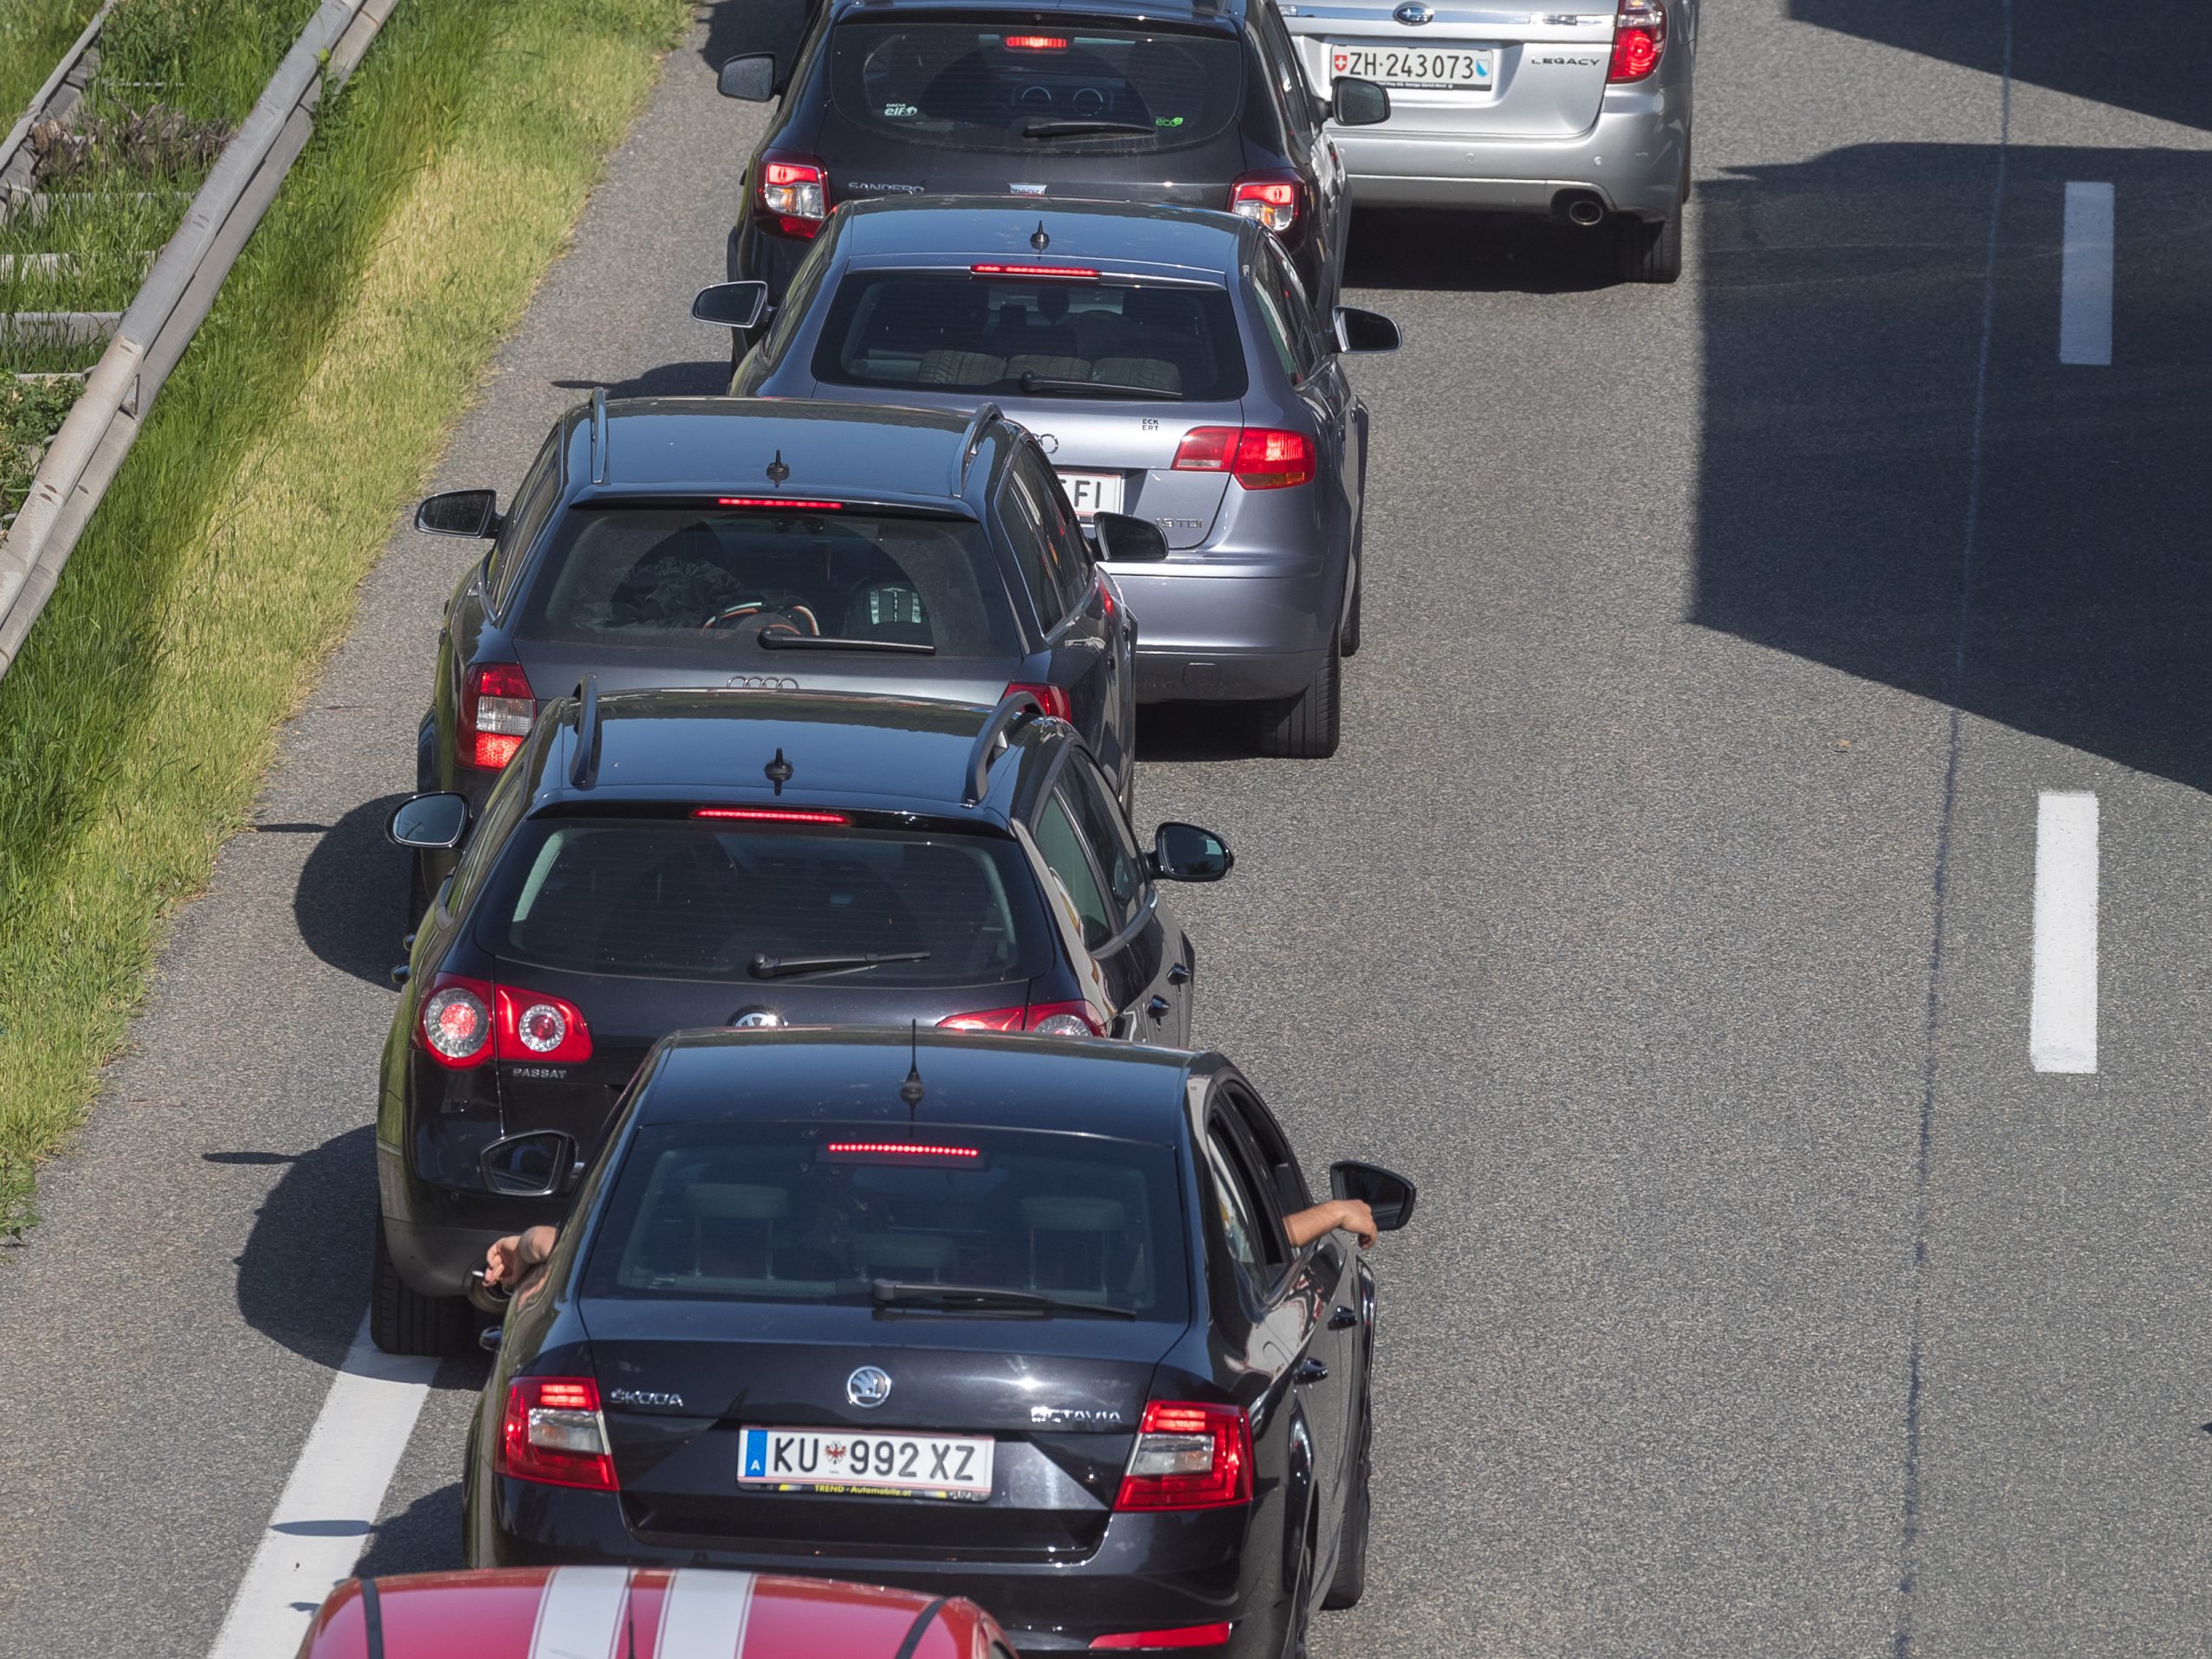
(870, 1386)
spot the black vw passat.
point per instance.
(1199, 103)
(1013, 1320)
(652, 861)
(792, 546)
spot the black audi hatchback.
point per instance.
(653, 861)
(1014, 1319)
(1189, 103)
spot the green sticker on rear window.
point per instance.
(1166, 121)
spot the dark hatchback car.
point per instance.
(657, 860)
(1188, 102)
(1172, 365)
(781, 546)
(1037, 1336)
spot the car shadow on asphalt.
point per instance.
(303, 1275)
(1171, 734)
(736, 27)
(1410, 250)
(707, 378)
(425, 1537)
(350, 903)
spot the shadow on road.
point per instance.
(1169, 733)
(706, 378)
(351, 900)
(425, 1537)
(303, 1277)
(1408, 249)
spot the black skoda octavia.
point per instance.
(1012, 1319)
(654, 860)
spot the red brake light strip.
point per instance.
(1073, 273)
(772, 500)
(897, 1149)
(769, 815)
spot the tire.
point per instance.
(1351, 646)
(1349, 1581)
(1301, 1620)
(1306, 726)
(1645, 252)
(403, 1321)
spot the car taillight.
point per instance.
(1639, 39)
(554, 1434)
(1054, 698)
(497, 707)
(465, 1022)
(1259, 457)
(1270, 199)
(1183, 1636)
(1189, 1457)
(1046, 1019)
(795, 193)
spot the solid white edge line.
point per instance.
(2085, 277)
(2062, 1016)
(329, 1507)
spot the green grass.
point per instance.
(222, 566)
(33, 35)
(31, 411)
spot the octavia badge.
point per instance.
(870, 1386)
(1413, 14)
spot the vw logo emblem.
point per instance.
(1413, 13)
(753, 1018)
(870, 1386)
(762, 682)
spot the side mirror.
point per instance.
(1364, 331)
(731, 304)
(534, 1165)
(1124, 539)
(1354, 102)
(459, 513)
(1183, 852)
(428, 824)
(1390, 1196)
(752, 78)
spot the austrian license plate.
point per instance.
(1089, 493)
(1464, 69)
(913, 1466)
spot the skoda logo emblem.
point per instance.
(1413, 13)
(749, 1018)
(870, 1386)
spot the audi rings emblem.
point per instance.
(1413, 14)
(870, 1386)
(762, 682)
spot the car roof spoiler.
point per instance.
(1014, 708)
(972, 444)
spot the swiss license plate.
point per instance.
(1089, 493)
(915, 1466)
(1465, 69)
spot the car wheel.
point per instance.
(1647, 252)
(1350, 1582)
(404, 1320)
(1351, 647)
(1305, 727)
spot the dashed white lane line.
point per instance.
(2062, 1020)
(329, 1505)
(2086, 276)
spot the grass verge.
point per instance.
(33, 35)
(222, 567)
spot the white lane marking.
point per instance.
(329, 1507)
(2086, 276)
(2062, 1020)
(580, 1613)
(703, 1615)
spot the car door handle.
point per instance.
(1343, 1319)
(1312, 1370)
(1179, 974)
(1157, 1008)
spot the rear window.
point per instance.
(947, 329)
(779, 1212)
(698, 900)
(655, 573)
(1113, 91)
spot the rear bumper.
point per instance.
(1632, 158)
(1149, 1572)
(1219, 627)
(437, 1235)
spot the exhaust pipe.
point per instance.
(1584, 208)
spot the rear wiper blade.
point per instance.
(900, 1292)
(777, 639)
(765, 967)
(1034, 382)
(1079, 129)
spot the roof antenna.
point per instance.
(778, 772)
(910, 1090)
(777, 470)
(1039, 240)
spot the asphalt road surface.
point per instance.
(1673, 912)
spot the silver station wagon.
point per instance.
(1581, 113)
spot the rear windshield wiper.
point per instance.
(1034, 382)
(779, 640)
(900, 1292)
(1080, 129)
(765, 967)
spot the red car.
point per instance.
(624, 1613)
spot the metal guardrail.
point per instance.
(152, 335)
